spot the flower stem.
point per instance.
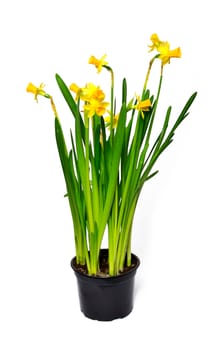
(111, 104)
(148, 72)
(53, 107)
(87, 191)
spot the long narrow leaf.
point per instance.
(70, 101)
(118, 143)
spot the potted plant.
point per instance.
(111, 157)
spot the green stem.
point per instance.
(148, 72)
(123, 248)
(111, 104)
(87, 191)
(128, 179)
(146, 146)
(112, 234)
(155, 105)
(87, 182)
(129, 250)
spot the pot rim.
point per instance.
(123, 276)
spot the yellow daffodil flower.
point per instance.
(163, 47)
(156, 42)
(142, 106)
(92, 91)
(98, 63)
(166, 53)
(89, 92)
(95, 107)
(115, 120)
(93, 96)
(37, 90)
(85, 93)
(98, 95)
(76, 89)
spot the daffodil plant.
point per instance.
(111, 156)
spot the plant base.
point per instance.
(106, 298)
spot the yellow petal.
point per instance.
(37, 90)
(93, 60)
(115, 120)
(75, 88)
(31, 88)
(176, 53)
(98, 63)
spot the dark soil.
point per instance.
(103, 267)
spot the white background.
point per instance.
(175, 230)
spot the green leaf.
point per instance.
(71, 188)
(124, 91)
(113, 175)
(184, 113)
(70, 101)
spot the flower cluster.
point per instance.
(94, 97)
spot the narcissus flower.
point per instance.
(93, 97)
(166, 53)
(156, 42)
(92, 91)
(163, 47)
(115, 120)
(95, 107)
(98, 63)
(142, 106)
(76, 89)
(37, 90)
(87, 93)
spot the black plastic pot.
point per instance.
(106, 298)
